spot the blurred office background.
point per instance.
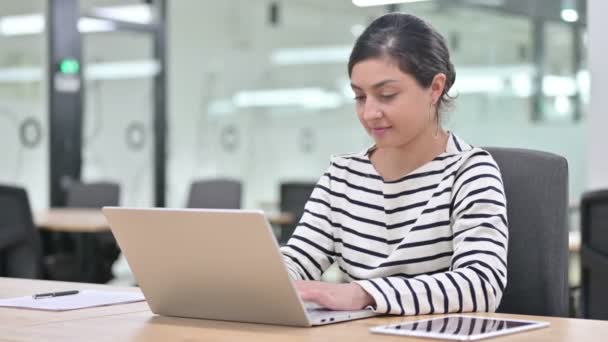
(257, 91)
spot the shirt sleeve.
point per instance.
(477, 276)
(310, 250)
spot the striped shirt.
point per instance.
(433, 241)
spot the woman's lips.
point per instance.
(379, 131)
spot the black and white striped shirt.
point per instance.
(433, 241)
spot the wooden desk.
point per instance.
(134, 322)
(83, 224)
(71, 220)
(15, 318)
(280, 218)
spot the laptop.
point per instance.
(213, 264)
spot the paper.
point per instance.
(84, 299)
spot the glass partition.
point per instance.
(259, 89)
(118, 95)
(23, 107)
(119, 70)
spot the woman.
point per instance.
(417, 222)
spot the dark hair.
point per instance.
(418, 49)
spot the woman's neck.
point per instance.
(394, 162)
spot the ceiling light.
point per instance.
(122, 70)
(559, 85)
(521, 84)
(479, 84)
(21, 24)
(367, 3)
(141, 14)
(94, 71)
(34, 24)
(312, 55)
(569, 15)
(316, 98)
(86, 25)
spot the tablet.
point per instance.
(459, 327)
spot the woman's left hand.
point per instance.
(349, 296)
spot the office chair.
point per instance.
(100, 248)
(536, 186)
(293, 198)
(594, 254)
(19, 240)
(215, 194)
(93, 195)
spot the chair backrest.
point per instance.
(536, 186)
(215, 194)
(19, 240)
(93, 195)
(594, 254)
(293, 198)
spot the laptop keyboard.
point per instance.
(317, 312)
(313, 306)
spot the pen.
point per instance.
(55, 294)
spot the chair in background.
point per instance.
(93, 195)
(594, 254)
(293, 198)
(215, 194)
(536, 186)
(100, 249)
(20, 254)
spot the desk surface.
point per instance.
(12, 318)
(134, 322)
(72, 220)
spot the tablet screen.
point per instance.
(459, 327)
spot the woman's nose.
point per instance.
(371, 111)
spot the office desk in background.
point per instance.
(72, 220)
(83, 224)
(135, 322)
(75, 220)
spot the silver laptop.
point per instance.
(213, 264)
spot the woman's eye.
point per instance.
(388, 96)
(360, 98)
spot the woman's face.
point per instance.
(392, 107)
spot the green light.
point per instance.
(69, 66)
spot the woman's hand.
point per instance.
(333, 296)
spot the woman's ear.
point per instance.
(437, 86)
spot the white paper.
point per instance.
(84, 299)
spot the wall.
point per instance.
(597, 150)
